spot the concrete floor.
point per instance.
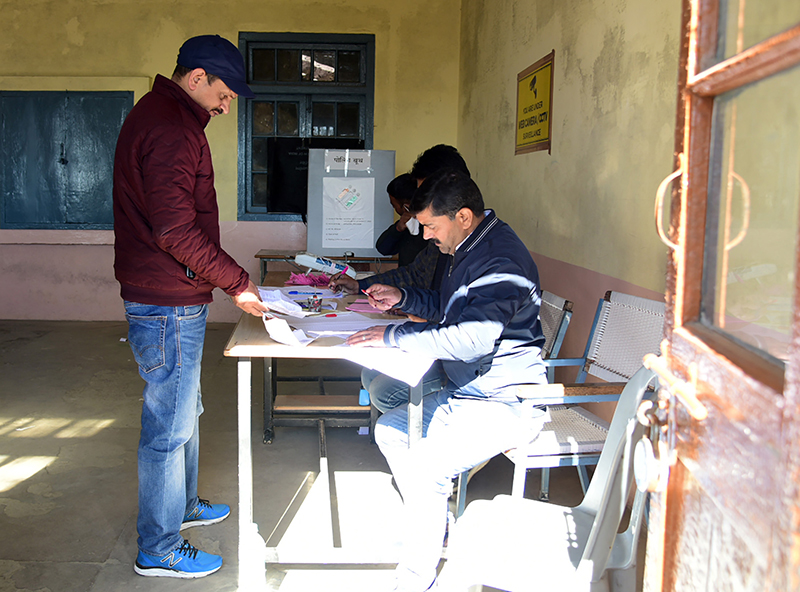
(70, 402)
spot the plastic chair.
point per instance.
(625, 328)
(521, 545)
(555, 314)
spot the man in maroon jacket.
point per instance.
(168, 259)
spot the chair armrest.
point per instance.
(562, 362)
(566, 394)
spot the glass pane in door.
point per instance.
(745, 23)
(754, 189)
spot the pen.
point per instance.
(305, 293)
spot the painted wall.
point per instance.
(68, 43)
(586, 209)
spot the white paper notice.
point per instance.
(348, 212)
(347, 160)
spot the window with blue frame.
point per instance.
(312, 91)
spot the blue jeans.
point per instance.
(458, 434)
(386, 393)
(167, 343)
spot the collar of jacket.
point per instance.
(488, 222)
(165, 86)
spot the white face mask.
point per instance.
(413, 226)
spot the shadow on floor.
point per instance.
(69, 427)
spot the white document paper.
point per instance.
(277, 301)
(340, 326)
(280, 331)
(392, 361)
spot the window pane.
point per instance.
(288, 65)
(744, 24)
(260, 154)
(260, 190)
(307, 59)
(348, 120)
(264, 65)
(263, 118)
(323, 119)
(324, 66)
(349, 66)
(756, 152)
(287, 119)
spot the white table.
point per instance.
(250, 340)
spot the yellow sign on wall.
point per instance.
(535, 106)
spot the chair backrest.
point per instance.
(607, 495)
(626, 328)
(555, 313)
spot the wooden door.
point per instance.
(730, 516)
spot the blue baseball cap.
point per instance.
(219, 57)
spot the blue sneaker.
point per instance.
(184, 562)
(205, 513)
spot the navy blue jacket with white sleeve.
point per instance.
(484, 321)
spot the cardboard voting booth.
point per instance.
(348, 207)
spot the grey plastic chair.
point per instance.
(625, 328)
(555, 314)
(522, 545)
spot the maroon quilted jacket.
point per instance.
(166, 218)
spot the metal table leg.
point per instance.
(270, 378)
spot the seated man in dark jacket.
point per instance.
(425, 271)
(484, 329)
(403, 237)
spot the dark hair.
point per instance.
(446, 192)
(181, 71)
(402, 188)
(438, 157)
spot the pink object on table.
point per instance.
(363, 305)
(311, 279)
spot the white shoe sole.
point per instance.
(193, 523)
(160, 572)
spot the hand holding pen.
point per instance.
(343, 283)
(383, 297)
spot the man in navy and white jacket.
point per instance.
(485, 332)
